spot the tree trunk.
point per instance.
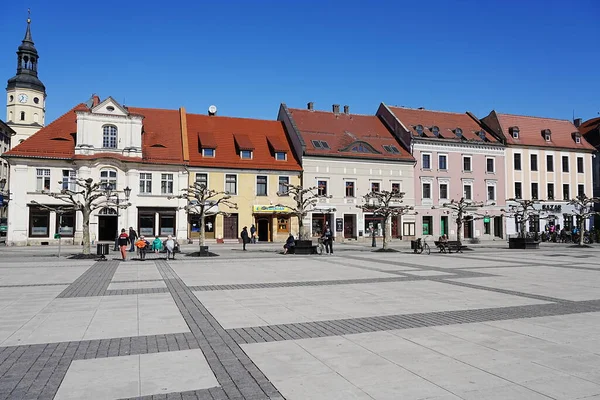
(301, 233)
(385, 225)
(201, 238)
(580, 226)
(86, 230)
(458, 229)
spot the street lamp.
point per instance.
(108, 193)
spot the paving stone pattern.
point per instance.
(92, 282)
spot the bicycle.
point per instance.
(320, 246)
(422, 246)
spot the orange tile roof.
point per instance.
(590, 130)
(223, 130)
(530, 132)
(343, 132)
(447, 122)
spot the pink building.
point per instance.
(455, 158)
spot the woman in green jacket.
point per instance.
(157, 245)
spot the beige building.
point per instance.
(546, 159)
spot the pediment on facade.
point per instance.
(110, 107)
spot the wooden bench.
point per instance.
(449, 246)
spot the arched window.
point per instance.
(109, 138)
(22, 115)
(109, 175)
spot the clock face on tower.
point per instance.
(22, 98)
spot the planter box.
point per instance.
(523, 243)
(304, 247)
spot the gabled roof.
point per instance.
(531, 131)
(346, 135)
(590, 130)
(446, 122)
(230, 135)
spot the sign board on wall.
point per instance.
(339, 225)
(271, 209)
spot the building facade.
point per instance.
(590, 130)
(546, 159)
(6, 134)
(346, 156)
(455, 158)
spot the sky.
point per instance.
(246, 57)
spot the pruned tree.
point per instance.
(306, 200)
(584, 209)
(386, 205)
(524, 211)
(462, 210)
(88, 197)
(202, 201)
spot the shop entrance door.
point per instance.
(230, 226)
(349, 226)
(264, 229)
(498, 227)
(107, 227)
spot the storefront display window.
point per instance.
(283, 224)
(167, 224)
(373, 224)
(66, 225)
(39, 222)
(146, 224)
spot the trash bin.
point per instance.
(413, 244)
(102, 249)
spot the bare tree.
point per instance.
(584, 208)
(306, 201)
(203, 201)
(524, 211)
(386, 205)
(88, 197)
(462, 210)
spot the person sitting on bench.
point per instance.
(289, 243)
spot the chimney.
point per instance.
(95, 100)
(336, 108)
(577, 122)
(310, 105)
(346, 109)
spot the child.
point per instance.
(157, 245)
(123, 241)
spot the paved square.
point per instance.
(485, 324)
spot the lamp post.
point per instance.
(108, 193)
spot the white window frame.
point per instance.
(114, 180)
(279, 192)
(42, 179)
(196, 180)
(392, 183)
(145, 183)
(493, 171)
(423, 164)
(464, 157)
(71, 180)
(110, 133)
(487, 195)
(242, 152)
(440, 190)
(531, 191)
(423, 191)
(326, 186)
(515, 190)
(266, 185)
(446, 157)
(235, 183)
(284, 156)
(214, 152)
(468, 183)
(353, 181)
(577, 139)
(167, 184)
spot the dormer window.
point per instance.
(482, 135)
(435, 130)
(109, 136)
(208, 152)
(577, 137)
(246, 154)
(458, 132)
(514, 131)
(547, 135)
(419, 129)
(280, 156)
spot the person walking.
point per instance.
(328, 241)
(245, 237)
(132, 237)
(123, 241)
(253, 234)
(170, 246)
(157, 245)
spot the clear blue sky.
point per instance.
(524, 57)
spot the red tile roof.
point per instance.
(590, 130)
(251, 133)
(530, 132)
(366, 134)
(446, 122)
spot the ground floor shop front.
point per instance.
(548, 217)
(486, 224)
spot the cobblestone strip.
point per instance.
(92, 282)
(236, 373)
(123, 292)
(504, 291)
(137, 280)
(36, 284)
(36, 371)
(215, 393)
(271, 333)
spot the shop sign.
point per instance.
(271, 209)
(486, 220)
(552, 207)
(339, 225)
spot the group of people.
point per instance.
(143, 245)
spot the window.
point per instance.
(109, 176)
(283, 189)
(580, 165)
(427, 190)
(443, 190)
(518, 190)
(550, 191)
(22, 115)
(468, 192)
(443, 162)
(65, 224)
(568, 222)
(42, 179)
(426, 161)
(580, 190)
(280, 156)
(549, 163)
(534, 191)
(322, 188)
(490, 165)
(349, 188)
(547, 137)
(390, 148)
(109, 136)
(208, 152)
(533, 160)
(246, 154)
(320, 144)
(166, 223)
(565, 163)
(146, 183)
(375, 187)
(514, 131)
(566, 192)
(491, 192)
(261, 185)
(467, 164)
(517, 161)
(408, 229)
(202, 179)
(578, 139)
(231, 184)
(69, 180)
(39, 222)
(146, 223)
(395, 188)
(427, 225)
(166, 183)
(283, 224)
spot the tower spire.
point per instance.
(27, 37)
(27, 63)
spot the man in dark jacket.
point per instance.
(132, 237)
(328, 240)
(245, 237)
(290, 243)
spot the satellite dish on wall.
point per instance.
(212, 110)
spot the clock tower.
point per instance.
(25, 93)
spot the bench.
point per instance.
(449, 246)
